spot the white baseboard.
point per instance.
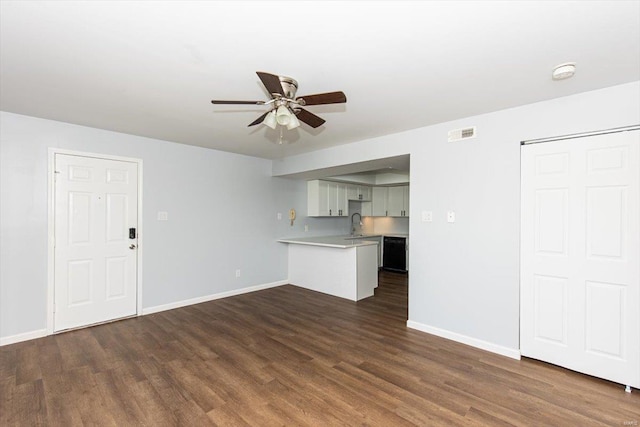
(23, 337)
(212, 297)
(473, 342)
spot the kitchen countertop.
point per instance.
(364, 236)
(342, 242)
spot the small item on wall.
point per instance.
(292, 215)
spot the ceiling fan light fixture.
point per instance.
(283, 115)
(270, 120)
(293, 123)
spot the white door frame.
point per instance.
(51, 227)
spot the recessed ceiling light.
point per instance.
(564, 71)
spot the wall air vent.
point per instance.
(460, 134)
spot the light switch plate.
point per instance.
(163, 216)
(451, 216)
(427, 216)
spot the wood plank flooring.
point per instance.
(289, 356)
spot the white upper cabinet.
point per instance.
(379, 201)
(364, 193)
(395, 201)
(406, 203)
(317, 198)
(352, 192)
(325, 198)
(390, 201)
(359, 192)
(342, 204)
(398, 201)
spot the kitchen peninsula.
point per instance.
(334, 265)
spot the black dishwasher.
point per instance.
(394, 254)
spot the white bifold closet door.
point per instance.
(580, 255)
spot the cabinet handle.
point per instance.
(329, 212)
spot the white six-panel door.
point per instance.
(94, 257)
(580, 255)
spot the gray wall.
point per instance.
(465, 276)
(222, 211)
(222, 216)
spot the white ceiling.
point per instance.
(151, 68)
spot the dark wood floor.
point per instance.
(288, 356)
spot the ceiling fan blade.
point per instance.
(217, 101)
(271, 82)
(258, 120)
(309, 118)
(324, 98)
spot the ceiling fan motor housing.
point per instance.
(289, 87)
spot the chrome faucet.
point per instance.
(353, 228)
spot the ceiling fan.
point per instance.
(286, 109)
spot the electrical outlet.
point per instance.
(279, 215)
(306, 227)
(237, 273)
(427, 216)
(163, 216)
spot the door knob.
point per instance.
(132, 246)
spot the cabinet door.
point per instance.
(342, 204)
(323, 198)
(395, 201)
(317, 198)
(406, 200)
(364, 193)
(379, 201)
(332, 206)
(352, 192)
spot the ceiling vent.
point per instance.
(460, 134)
